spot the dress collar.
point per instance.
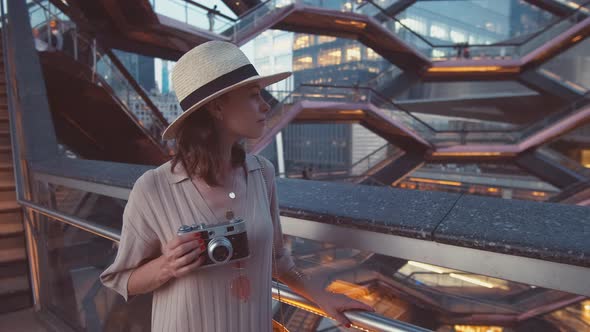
(180, 174)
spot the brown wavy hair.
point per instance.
(198, 149)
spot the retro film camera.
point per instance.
(225, 242)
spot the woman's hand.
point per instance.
(335, 304)
(181, 256)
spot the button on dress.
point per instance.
(159, 203)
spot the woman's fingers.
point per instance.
(188, 258)
(340, 318)
(186, 247)
(356, 305)
(180, 239)
(191, 267)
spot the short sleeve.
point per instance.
(138, 243)
(282, 262)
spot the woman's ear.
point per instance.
(214, 108)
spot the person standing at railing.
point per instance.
(211, 13)
(211, 179)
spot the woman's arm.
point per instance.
(181, 256)
(310, 287)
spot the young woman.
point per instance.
(211, 180)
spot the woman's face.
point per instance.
(242, 112)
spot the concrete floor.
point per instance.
(23, 320)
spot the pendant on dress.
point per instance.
(240, 286)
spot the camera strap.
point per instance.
(274, 257)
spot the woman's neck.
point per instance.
(226, 157)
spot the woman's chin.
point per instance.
(254, 134)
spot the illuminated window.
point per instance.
(302, 62)
(415, 25)
(302, 41)
(262, 45)
(458, 37)
(330, 57)
(438, 31)
(490, 26)
(438, 54)
(282, 42)
(283, 63)
(263, 65)
(372, 55)
(353, 53)
(325, 39)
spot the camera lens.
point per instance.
(220, 253)
(220, 250)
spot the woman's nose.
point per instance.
(264, 106)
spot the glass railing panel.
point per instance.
(578, 105)
(460, 124)
(409, 122)
(252, 19)
(442, 139)
(386, 282)
(369, 150)
(395, 287)
(463, 90)
(76, 258)
(132, 100)
(106, 74)
(195, 15)
(495, 180)
(556, 29)
(481, 33)
(384, 80)
(481, 23)
(328, 152)
(570, 67)
(432, 28)
(571, 150)
(575, 317)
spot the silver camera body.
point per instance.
(225, 242)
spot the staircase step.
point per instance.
(13, 269)
(12, 255)
(8, 206)
(13, 242)
(14, 284)
(6, 166)
(17, 301)
(8, 195)
(15, 293)
(7, 184)
(9, 228)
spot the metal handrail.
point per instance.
(196, 4)
(155, 110)
(364, 320)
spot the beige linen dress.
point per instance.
(159, 203)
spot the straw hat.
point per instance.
(207, 72)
